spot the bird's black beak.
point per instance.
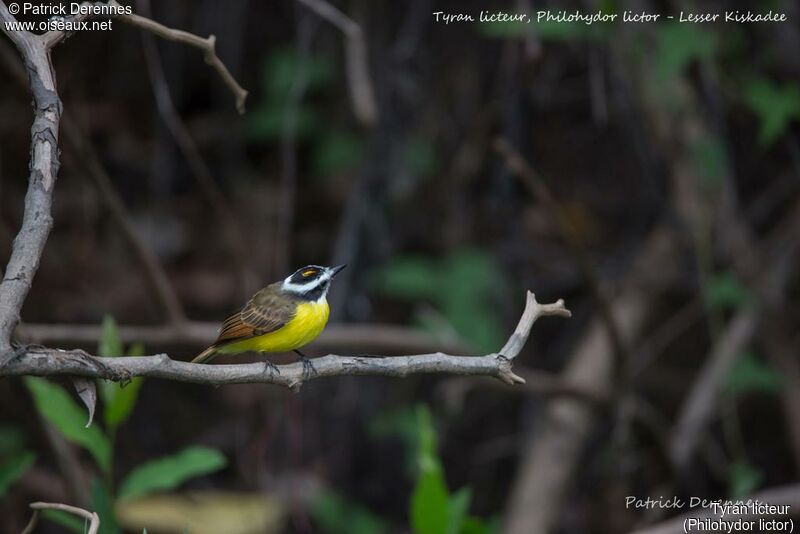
(337, 269)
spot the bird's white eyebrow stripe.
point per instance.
(288, 285)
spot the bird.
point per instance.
(282, 317)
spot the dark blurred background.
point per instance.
(646, 173)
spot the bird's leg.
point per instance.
(270, 367)
(308, 367)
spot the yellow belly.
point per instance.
(307, 324)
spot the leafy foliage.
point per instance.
(282, 69)
(751, 374)
(119, 399)
(679, 45)
(13, 468)
(743, 479)
(59, 409)
(103, 505)
(725, 291)
(775, 105)
(15, 459)
(462, 286)
(170, 472)
(433, 509)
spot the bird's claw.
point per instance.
(308, 368)
(271, 368)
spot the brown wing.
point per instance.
(266, 312)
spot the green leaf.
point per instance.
(743, 479)
(110, 345)
(724, 291)
(430, 504)
(120, 401)
(336, 514)
(751, 374)
(776, 106)
(103, 505)
(58, 408)
(427, 447)
(463, 286)
(268, 122)
(679, 45)
(457, 510)
(469, 281)
(476, 525)
(170, 472)
(65, 519)
(12, 469)
(430, 498)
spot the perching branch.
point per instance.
(46, 362)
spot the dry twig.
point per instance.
(92, 517)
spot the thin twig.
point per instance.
(361, 90)
(92, 517)
(48, 362)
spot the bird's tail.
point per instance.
(206, 356)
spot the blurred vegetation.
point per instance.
(440, 235)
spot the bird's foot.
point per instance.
(271, 368)
(308, 367)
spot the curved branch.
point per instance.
(43, 362)
(92, 517)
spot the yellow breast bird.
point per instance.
(282, 317)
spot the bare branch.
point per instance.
(361, 90)
(92, 517)
(44, 362)
(37, 221)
